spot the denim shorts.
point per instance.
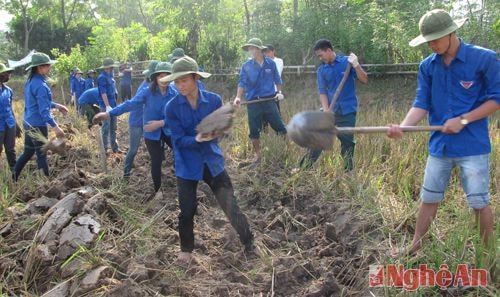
(474, 176)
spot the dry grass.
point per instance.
(382, 192)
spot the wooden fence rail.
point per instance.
(372, 69)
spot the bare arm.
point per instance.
(453, 125)
(361, 73)
(413, 116)
(324, 102)
(105, 99)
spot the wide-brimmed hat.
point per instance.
(38, 59)
(434, 25)
(77, 70)
(108, 63)
(162, 67)
(254, 42)
(151, 68)
(91, 71)
(4, 68)
(176, 54)
(183, 66)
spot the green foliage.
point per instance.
(66, 62)
(213, 31)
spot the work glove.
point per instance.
(108, 108)
(19, 131)
(280, 96)
(353, 59)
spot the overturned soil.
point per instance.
(129, 241)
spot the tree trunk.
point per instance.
(295, 14)
(247, 16)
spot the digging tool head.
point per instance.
(313, 129)
(56, 145)
(216, 123)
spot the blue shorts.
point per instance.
(474, 176)
(268, 111)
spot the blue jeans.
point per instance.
(32, 146)
(347, 143)
(474, 176)
(109, 127)
(135, 136)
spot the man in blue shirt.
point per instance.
(258, 78)
(89, 103)
(126, 82)
(197, 159)
(458, 87)
(107, 100)
(77, 88)
(329, 76)
(9, 129)
(89, 81)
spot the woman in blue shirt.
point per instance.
(37, 114)
(8, 126)
(153, 100)
(196, 158)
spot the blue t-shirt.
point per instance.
(471, 79)
(77, 86)
(106, 84)
(89, 83)
(153, 103)
(191, 156)
(329, 77)
(38, 103)
(257, 80)
(6, 113)
(90, 96)
(126, 79)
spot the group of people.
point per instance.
(458, 88)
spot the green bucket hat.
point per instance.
(90, 71)
(38, 59)
(151, 68)
(108, 63)
(77, 70)
(254, 42)
(162, 67)
(4, 68)
(176, 54)
(183, 66)
(434, 25)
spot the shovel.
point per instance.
(259, 101)
(316, 129)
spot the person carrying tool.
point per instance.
(258, 77)
(329, 76)
(197, 159)
(37, 113)
(89, 103)
(458, 87)
(152, 100)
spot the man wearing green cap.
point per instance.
(9, 129)
(107, 92)
(198, 159)
(77, 87)
(258, 79)
(458, 87)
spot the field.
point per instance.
(319, 230)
